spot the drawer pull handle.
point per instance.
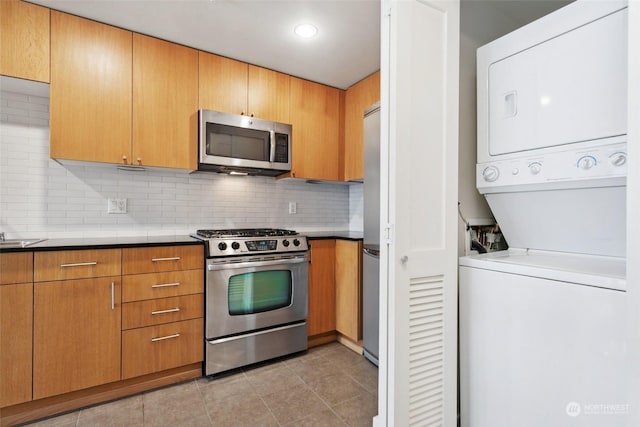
(79, 264)
(173, 258)
(165, 285)
(113, 295)
(171, 310)
(168, 337)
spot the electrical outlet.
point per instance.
(293, 207)
(117, 206)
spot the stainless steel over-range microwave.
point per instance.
(232, 143)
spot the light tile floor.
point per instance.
(328, 385)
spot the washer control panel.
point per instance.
(595, 163)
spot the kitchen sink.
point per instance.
(19, 243)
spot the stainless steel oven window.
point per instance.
(260, 291)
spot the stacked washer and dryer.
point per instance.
(542, 325)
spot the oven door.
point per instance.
(246, 294)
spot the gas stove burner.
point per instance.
(245, 232)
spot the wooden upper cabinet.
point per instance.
(223, 84)
(268, 94)
(315, 116)
(165, 104)
(90, 90)
(239, 88)
(24, 37)
(358, 98)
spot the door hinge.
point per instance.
(388, 233)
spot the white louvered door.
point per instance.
(420, 186)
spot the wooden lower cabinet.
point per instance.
(161, 347)
(16, 323)
(163, 310)
(79, 327)
(76, 334)
(322, 291)
(349, 289)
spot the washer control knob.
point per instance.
(222, 246)
(618, 159)
(490, 173)
(296, 242)
(535, 168)
(285, 243)
(235, 245)
(586, 162)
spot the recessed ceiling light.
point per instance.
(305, 30)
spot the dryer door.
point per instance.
(568, 89)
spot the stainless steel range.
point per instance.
(256, 296)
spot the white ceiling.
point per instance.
(345, 50)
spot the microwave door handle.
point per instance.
(272, 151)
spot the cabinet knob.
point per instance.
(404, 259)
(139, 160)
(124, 159)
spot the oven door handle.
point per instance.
(227, 265)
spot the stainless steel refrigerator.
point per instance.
(371, 242)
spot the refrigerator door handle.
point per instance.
(371, 252)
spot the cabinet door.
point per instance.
(322, 289)
(349, 289)
(358, 98)
(24, 37)
(160, 347)
(268, 94)
(165, 104)
(16, 323)
(222, 84)
(76, 335)
(315, 116)
(90, 90)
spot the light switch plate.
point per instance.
(117, 206)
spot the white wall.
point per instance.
(41, 198)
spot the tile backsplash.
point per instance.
(41, 198)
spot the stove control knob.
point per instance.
(222, 246)
(285, 243)
(296, 242)
(235, 245)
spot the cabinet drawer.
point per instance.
(163, 310)
(64, 265)
(162, 258)
(16, 267)
(156, 348)
(161, 285)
